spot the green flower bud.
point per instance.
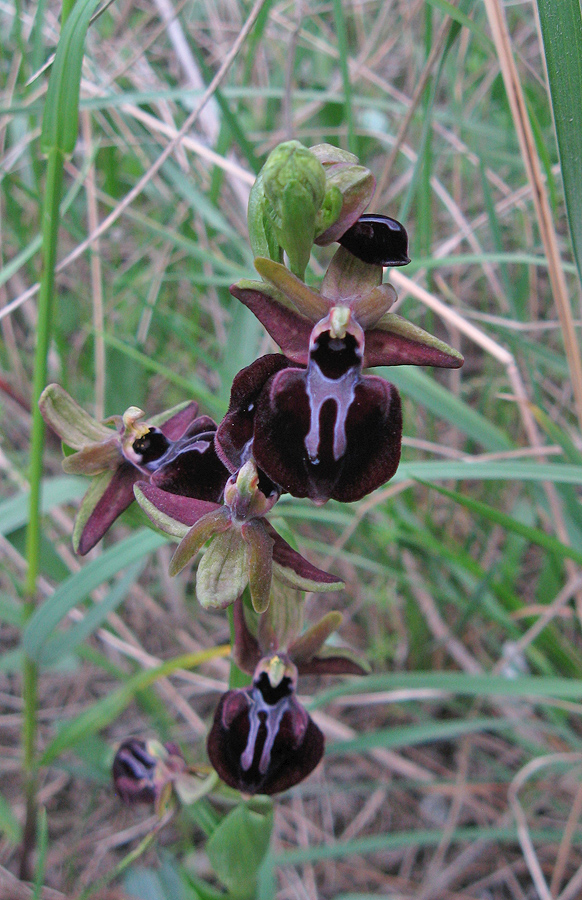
(286, 202)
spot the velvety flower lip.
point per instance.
(234, 435)
(262, 740)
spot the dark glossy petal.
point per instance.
(396, 342)
(116, 498)
(377, 240)
(262, 740)
(288, 328)
(193, 469)
(304, 444)
(235, 432)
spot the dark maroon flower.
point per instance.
(327, 430)
(262, 740)
(175, 450)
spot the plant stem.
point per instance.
(49, 231)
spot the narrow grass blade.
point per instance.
(55, 492)
(433, 396)
(60, 645)
(76, 588)
(561, 26)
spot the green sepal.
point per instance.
(311, 642)
(397, 325)
(73, 425)
(223, 572)
(307, 301)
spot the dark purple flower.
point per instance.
(174, 450)
(326, 430)
(143, 771)
(262, 740)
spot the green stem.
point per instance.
(49, 232)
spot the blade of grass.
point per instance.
(561, 28)
(76, 588)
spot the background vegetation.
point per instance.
(453, 771)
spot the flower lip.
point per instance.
(134, 770)
(377, 240)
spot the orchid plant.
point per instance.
(308, 421)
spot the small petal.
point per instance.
(309, 303)
(305, 647)
(72, 424)
(378, 240)
(396, 342)
(335, 661)
(114, 500)
(348, 278)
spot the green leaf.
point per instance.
(412, 735)
(76, 588)
(561, 27)
(236, 849)
(61, 112)
(513, 470)
(535, 535)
